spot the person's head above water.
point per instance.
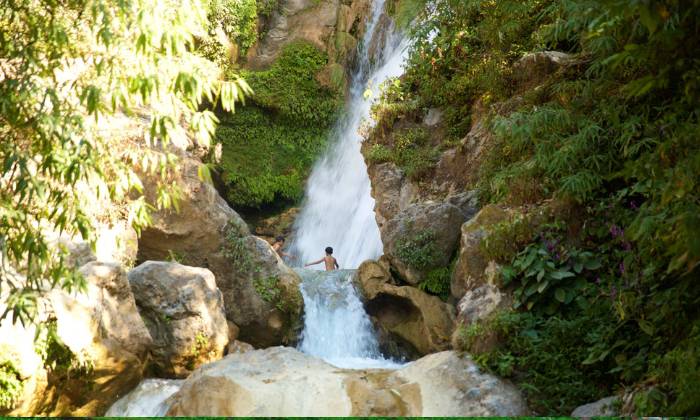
(329, 250)
(280, 239)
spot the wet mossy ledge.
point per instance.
(269, 145)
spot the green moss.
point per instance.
(269, 145)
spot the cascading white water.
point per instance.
(339, 213)
(151, 398)
(338, 210)
(337, 328)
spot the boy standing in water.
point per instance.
(331, 263)
(278, 245)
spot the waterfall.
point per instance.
(336, 326)
(151, 398)
(338, 210)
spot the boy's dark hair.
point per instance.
(280, 238)
(329, 250)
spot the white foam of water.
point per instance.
(151, 398)
(336, 326)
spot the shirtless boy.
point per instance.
(331, 262)
(278, 245)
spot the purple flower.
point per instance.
(557, 255)
(611, 131)
(597, 280)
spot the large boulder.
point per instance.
(418, 322)
(441, 220)
(106, 348)
(391, 190)
(207, 233)
(281, 382)
(116, 243)
(471, 268)
(184, 312)
(481, 305)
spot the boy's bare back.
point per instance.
(331, 263)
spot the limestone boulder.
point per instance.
(106, 348)
(184, 312)
(601, 408)
(204, 234)
(371, 277)
(279, 382)
(418, 323)
(443, 220)
(471, 269)
(391, 190)
(451, 385)
(481, 305)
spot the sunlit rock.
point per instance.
(184, 312)
(284, 382)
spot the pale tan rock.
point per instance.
(470, 270)
(238, 347)
(481, 305)
(184, 311)
(370, 277)
(233, 331)
(417, 322)
(109, 344)
(280, 381)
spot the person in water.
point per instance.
(278, 245)
(331, 263)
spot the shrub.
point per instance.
(419, 250)
(11, 385)
(437, 281)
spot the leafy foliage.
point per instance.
(66, 70)
(418, 250)
(269, 145)
(236, 248)
(437, 281)
(614, 129)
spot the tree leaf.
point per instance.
(592, 265)
(560, 294)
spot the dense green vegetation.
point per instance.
(269, 144)
(610, 299)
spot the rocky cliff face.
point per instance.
(330, 26)
(207, 233)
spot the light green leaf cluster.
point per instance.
(68, 73)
